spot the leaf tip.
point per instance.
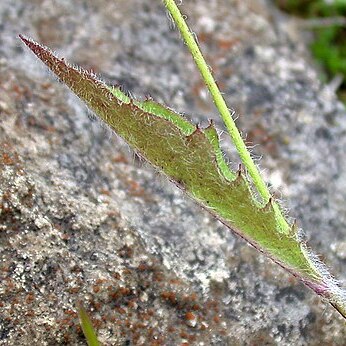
(240, 170)
(293, 231)
(196, 132)
(30, 43)
(22, 37)
(210, 124)
(87, 326)
(269, 206)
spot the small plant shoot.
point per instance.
(191, 158)
(87, 327)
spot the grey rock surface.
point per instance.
(82, 220)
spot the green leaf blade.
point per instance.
(192, 159)
(87, 327)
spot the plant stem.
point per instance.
(223, 109)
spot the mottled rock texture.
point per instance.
(83, 220)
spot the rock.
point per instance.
(83, 220)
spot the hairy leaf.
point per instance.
(192, 159)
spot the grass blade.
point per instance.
(87, 327)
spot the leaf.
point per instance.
(191, 158)
(87, 327)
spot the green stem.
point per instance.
(223, 109)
